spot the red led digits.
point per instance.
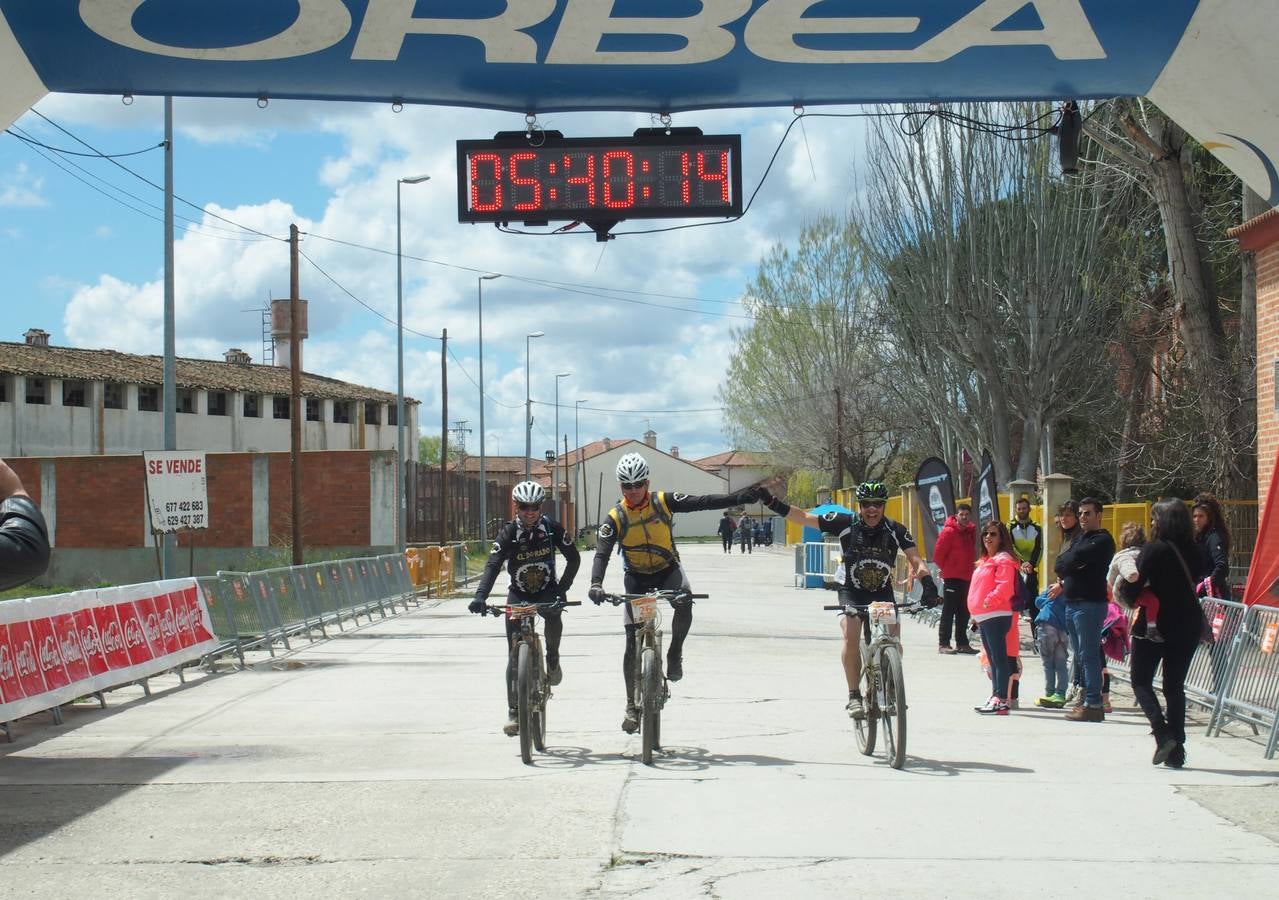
(526, 181)
(495, 180)
(610, 167)
(721, 176)
(588, 179)
(684, 187)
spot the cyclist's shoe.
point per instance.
(946, 649)
(674, 668)
(630, 722)
(967, 650)
(512, 726)
(554, 674)
(856, 708)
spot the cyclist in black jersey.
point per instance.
(641, 524)
(527, 546)
(870, 542)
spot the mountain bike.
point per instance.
(532, 689)
(651, 689)
(883, 685)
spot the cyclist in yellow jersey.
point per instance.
(641, 524)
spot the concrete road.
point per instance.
(373, 764)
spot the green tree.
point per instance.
(428, 447)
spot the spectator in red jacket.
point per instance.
(954, 554)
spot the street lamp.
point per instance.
(528, 406)
(577, 479)
(555, 482)
(400, 505)
(479, 287)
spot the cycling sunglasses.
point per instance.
(529, 507)
(873, 504)
(633, 485)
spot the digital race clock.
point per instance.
(599, 181)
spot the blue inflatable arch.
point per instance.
(1205, 62)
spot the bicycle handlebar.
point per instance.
(671, 596)
(490, 610)
(901, 607)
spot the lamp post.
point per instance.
(400, 505)
(577, 479)
(484, 521)
(528, 406)
(555, 482)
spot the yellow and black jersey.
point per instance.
(645, 536)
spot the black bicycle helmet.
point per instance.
(872, 490)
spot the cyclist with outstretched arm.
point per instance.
(870, 542)
(527, 545)
(641, 525)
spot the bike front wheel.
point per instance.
(525, 689)
(650, 703)
(866, 726)
(537, 712)
(893, 708)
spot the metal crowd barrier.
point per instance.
(261, 609)
(1250, 681)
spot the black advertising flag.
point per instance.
(936, 494)
(986, 499)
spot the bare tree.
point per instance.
(802, 381)
(994, 279)
(1136, 140)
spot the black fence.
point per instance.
(423, 485)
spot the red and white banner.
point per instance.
(54, 649)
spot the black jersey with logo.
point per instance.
(529, 554)
(870, 554)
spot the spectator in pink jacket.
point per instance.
(990, 602)
(953, 554)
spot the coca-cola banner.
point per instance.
(56, 648)
(936, 493)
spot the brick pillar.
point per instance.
(1261, 235)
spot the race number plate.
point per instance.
(644, 610)
(883, 613)
(520, 612)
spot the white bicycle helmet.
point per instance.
(631, 468)
(528, 492)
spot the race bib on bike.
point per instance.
(644, 610)
(883, 613)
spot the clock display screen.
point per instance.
(507, 179)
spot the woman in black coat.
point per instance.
(1213, 537)
(1166, 565)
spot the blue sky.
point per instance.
(89, 270)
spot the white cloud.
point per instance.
(21, 189)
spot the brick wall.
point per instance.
(101, 500)
(1267, 357)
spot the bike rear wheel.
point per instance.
(524, 687)
(650, 703)
(866, 726)
(894, 708)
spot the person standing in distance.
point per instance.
(24, 536)
(954, 556)
(870, 542)
(641, 524)
(527, 546)
(726, 531)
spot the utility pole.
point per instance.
(444, 441)
(460, 429)
(295, 398)
(169, 403)
(839, 440)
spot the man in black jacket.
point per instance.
(1081, 572)
(24, 536)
